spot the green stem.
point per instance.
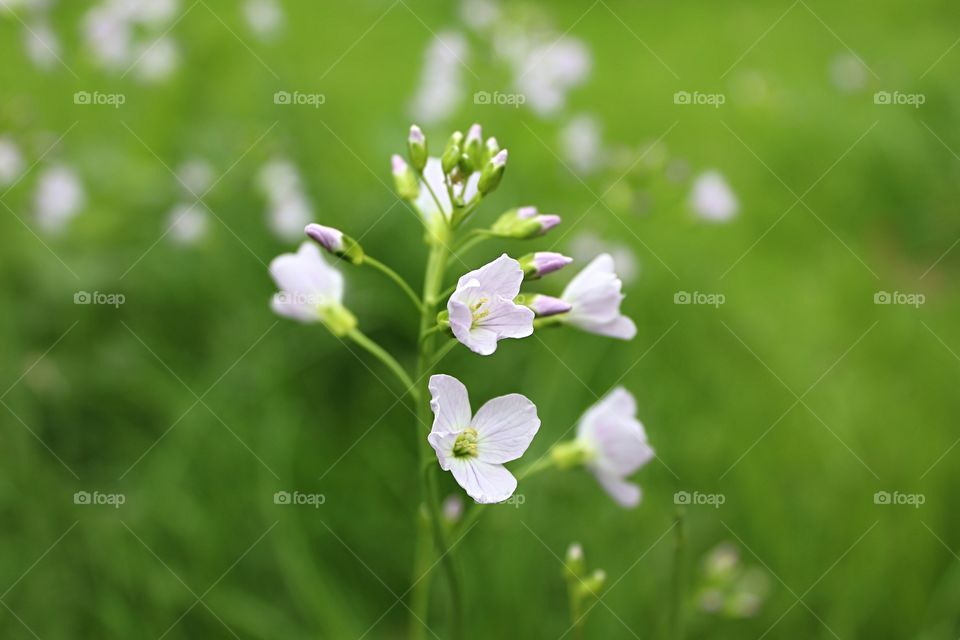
(393, 275)
(421, 578)
(361, 339)
(433, 278)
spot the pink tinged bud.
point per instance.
(549, 261)
(416, 135)
(548, 222)
(525, 213)
(327, 237)
(398, 165)
(500, 160)
(475, 135)
(492, 144)
(545, 306)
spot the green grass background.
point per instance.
(292, 399)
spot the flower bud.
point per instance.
(417, 148)
(545, 306)
(574, 561)
(452, 152)
(569, 454)
(473, 148)
(338, 319)
(490, 149)
(592, 585)
(336, 242)
(492, 173)
(404, 179)
(540, 263)
(523, 223)
(452, 508)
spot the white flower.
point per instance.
(433, 175)
(482, 310)
(43, 45)
(288, 208)
(474, 448)
(310, 289)
(188, 224)
(264, 17)
(549, 71)
(441, 81)
(11, 162)
(615, 444)
(196, 176)
(581, 143)
(586, 245)
(156, 60)
(595, 296)
(58, 198)
(712, 198)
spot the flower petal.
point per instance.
(307, 273)
(626, 494)
(442, 443)
(484, 482)
(502, 277)
(611, 429)
(508, 320)
(620, 327)
(481, 340)
(433, 175)
(290, 307)
(505, 427)
(450, 404)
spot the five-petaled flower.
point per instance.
(615, 444)
(310, 289)
(594, 295)
(482, 308)
(475, 447)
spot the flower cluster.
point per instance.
(484, 306)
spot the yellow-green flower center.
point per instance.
(465, 445)
(477, 311)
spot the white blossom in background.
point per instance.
(310, 290)
(615, 444)
(43, 45)
(581, 143)
(125, 34)
(59, 196)
(712, 199)
(288, 208)
(848, 73)
(441, 88)
(586, 245)
(188, 224)
(474, 447)
(196, 176)
(546, 70)
(157, 60)
(479, 15)
(11, 162)
(265, 18)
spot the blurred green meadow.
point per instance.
(822, 417)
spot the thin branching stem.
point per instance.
(399, 281)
